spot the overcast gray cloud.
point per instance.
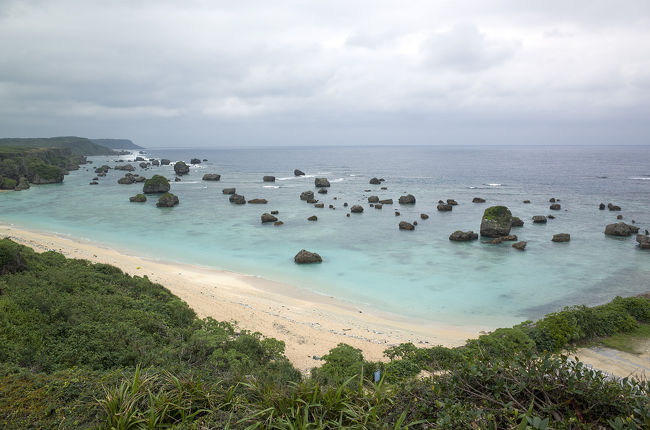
(170, 73)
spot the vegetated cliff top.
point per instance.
(116, 143)
(76, 145)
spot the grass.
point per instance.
(633, 342)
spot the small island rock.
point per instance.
(181, 168)
(237, 199)
(403, 225)
(620, 229)
(463, 236)
(167, 200)
(496, 221)
(561, 237)
(156, 184)
(321, 182)
(306, 257)
(408, 199)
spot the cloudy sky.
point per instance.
(327, 72)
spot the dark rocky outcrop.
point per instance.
(93, 183)
(509, 237)
(228, 190)
(373, 199)
(397, 213)
(478, 200)
(386, 202)
(312, 201)
(156, 184)
(144, 165)
(258, 201)
(275, 212)
(496, 221)
(195, 161)
(278, 223)
(442, 207)
(527, 202)
(378, 206)
(268, 218)
(561, 237)
(139, 159)
(312, 218)
(298, 172)
(516, 222)
(181, 168)
(167, 200)
(319, 205)
(374, 181)
(268, 178)
(23, 184)
(165, 162)
(550, 216)
(155, 163)
(321, 182)
(322, 191)
(424, 216)
(644, 241)
(138, 198)
(463, 236)
(403, 225)
(551, 200)
(307, 195)
(307, 257)
(555, 207)
(127, 167)
(211, 177)
(357, 209)
(612, 207)
(620, 229)
(127, 179)
(602, 206)
(408, 199)
(237, 199)
(520, 245)
(452, 202)
(539, 219)
(619, 216)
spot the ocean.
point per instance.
(367, 260)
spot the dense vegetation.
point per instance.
(76, 145)
(85, 345)
(116, 143)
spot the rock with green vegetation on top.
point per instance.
(156, 184)
(496, 222)
(23, 184)
(138, 198)
(8, 183)
(517, 222)
(181, 168)
(167, 200)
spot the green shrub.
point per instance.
(8, 184)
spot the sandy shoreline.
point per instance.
(310, 324)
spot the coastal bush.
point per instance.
(8, 184)
(36, 166)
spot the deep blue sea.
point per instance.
(367, 260)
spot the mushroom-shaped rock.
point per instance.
(463, 236)
(442, 207)
(165, 162)
(268, 178)
(321, 182)
(561, 237)
(373, 199)
(539, 219)
(181, 168)
(139, 198)
(211, 177)
(374, 181)
(307, 195)
(298, 172)
(408, 199)
(644, 241)
(306, 257)
(268, 218)
(312, 218)
(167, 200)
(257, 201)
(496, 221)
(237, 199)
(517, 222)
(357, 209)
(156, 184)
(555, 207)
(403, 225)
(620, 229)
(478, 200)
(228, 190)
(195, 161)
(520, 245)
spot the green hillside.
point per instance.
(77, 145)
(116, 143)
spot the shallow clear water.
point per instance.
(367, 260)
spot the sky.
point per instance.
(327, 72)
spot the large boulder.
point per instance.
(268, 179)
(306, 257)
(403, 225)
(165, 162)
(155, 162)
(229, 190)
(156, 184)
(237, 199)
(321, 182)
(408, 199)
(357, 209)
(463, 236)
(307, 195)
(138, 198)
(139, 159)
(181, 168)
(298, 172)
(268, 218)
(496, 221)
(167, 200)
(620, 229)
(644, 241)
(561, 237)
(211, 177)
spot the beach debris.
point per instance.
(307, 257)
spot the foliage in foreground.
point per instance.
(86, 346)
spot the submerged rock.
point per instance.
(278, 223)
(442, 207)
(408, 199)
(373, 199)
(612, 207)
(561, 237)
(322, 191)
(403, 225)
(195, 161)
(211, 177)
(386, 202)
(517, 222)
(167, 200)
(496, 221)
(463, 236)
(620, 229)
(312, 218)
(374, 181)
(424, 216)
(307, 257)
(165, 162)
(555, 207)
(156, 184)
